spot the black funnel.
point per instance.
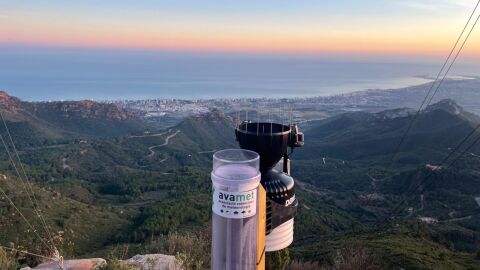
(269, 140)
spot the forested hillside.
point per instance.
(136, 184)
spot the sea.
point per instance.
(44, 74)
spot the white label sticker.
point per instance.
(234, 204)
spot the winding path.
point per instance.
(456, 219)
(151, 135)
(167, 140)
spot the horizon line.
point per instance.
(434, 54)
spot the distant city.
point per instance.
(461, 90)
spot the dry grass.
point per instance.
(301, 265)
(116, 265)
(192, 250)
(7, 260)
(353, 258)
(358, 259)
(118, 253)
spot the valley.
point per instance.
(116, 180)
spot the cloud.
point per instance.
(420, 5)
(432, 5)
(462, 3)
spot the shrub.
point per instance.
(192, 250)
(358, 258)
(115, 265)
(278, 259)
(301, 265)
(113, 262)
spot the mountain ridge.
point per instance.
(438, 127)
(58, 119)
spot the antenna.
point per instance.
(258, 119)
(271, 123)
(246, 118)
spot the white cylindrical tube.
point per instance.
(235, 179)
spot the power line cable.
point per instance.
(25, 219)
(422, 183)
(432, 85)
(25, 188)
(402, 140)
(457, 147)
(29, 184)
(436, 90)
(58, 260)
(453, 62)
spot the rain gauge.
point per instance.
(236, 178)
(259, 171)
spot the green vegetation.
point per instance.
(99, 195)
(114, 264)
(277, 260)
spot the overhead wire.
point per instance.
(58, 260)
(455, 58)
(34, 202)
(432, 86)
(10, 201)
(27, 253)
(30, 194)
(398, 206)
(430, 98)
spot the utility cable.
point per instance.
(25, 219)
(454, 59)
(24, 186)
(402, 140)
(58, 260)
(432, 85)
(422, 183)
(26, 179)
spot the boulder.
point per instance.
(84, 264)
(153, 262)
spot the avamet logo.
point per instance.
(235, 197)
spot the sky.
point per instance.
(355, 27)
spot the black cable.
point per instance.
(399, 205)
(432, 85)
(454, 59)
(402, 140)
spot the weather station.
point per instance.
(273, 188)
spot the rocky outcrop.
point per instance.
(86, 109)
(84, 264)
(138, 262)
(9, 103)
(153, 262)
(56, 119)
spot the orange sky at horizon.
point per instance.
(409, 37)
(294, 43)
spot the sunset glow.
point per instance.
(373, 27)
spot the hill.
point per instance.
(363, 135)
(45, 122)
(158, 183)
(348, 156)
